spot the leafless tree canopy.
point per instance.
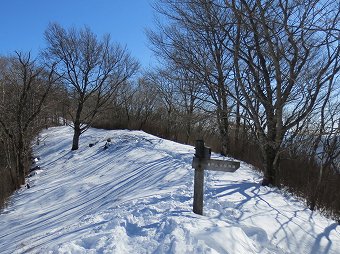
(271, 63)
(24, 88)
(91, 68)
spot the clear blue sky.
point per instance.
(23, 22)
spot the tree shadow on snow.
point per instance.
(317, 248)
(248, 202)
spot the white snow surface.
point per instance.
(136, 197)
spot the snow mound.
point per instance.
(135, 196)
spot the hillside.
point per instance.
(136, 197)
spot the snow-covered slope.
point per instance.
(136, 197)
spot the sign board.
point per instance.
(215, 165)
(202, 162)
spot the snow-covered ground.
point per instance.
(136, 197)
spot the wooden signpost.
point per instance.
(202, 162)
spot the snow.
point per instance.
(136, 197)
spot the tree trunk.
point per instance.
(77, 129)
(21, 169)
(271, 166)
(10, 150)
(21, 160)
(189, 118)
(76, 135)
(224, 141)
(237, 146)
(168, 128)
(317, 188)
(14, 178)
(188, 131)
(223, 125)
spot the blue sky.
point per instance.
(23, 22)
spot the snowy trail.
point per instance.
(136, 197)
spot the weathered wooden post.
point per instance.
(201, 154)
(202, 162)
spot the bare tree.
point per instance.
(144, 101)
(166, 94)
(271, 61)
(194, 41)
(91, 68)
(123, 104)
(188, 91)
(25, 88)
(285, 54)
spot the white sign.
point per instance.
(215, 165)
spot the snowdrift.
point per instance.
(136, 197)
